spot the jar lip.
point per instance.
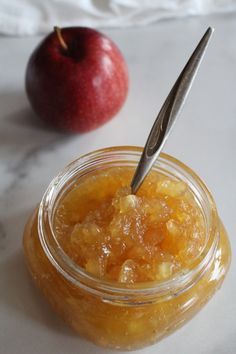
(78, 275)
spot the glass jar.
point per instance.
(116, 315)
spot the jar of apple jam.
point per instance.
(126, 270)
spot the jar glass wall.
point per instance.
(125, 316)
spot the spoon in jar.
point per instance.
(169, 112)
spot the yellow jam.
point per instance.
(128, 240)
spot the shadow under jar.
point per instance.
(114, 314)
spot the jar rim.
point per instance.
(111, 290)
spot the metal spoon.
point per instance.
(169, 112)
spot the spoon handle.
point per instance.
(169, 111)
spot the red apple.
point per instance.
(76, 79)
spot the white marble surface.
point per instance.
(30, 155)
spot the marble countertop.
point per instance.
(30, 155)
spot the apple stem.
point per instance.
(60, 38)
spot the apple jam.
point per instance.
(130, 238)
(126, 270)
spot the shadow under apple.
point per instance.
(20, 127)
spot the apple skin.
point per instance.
(80, 88)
